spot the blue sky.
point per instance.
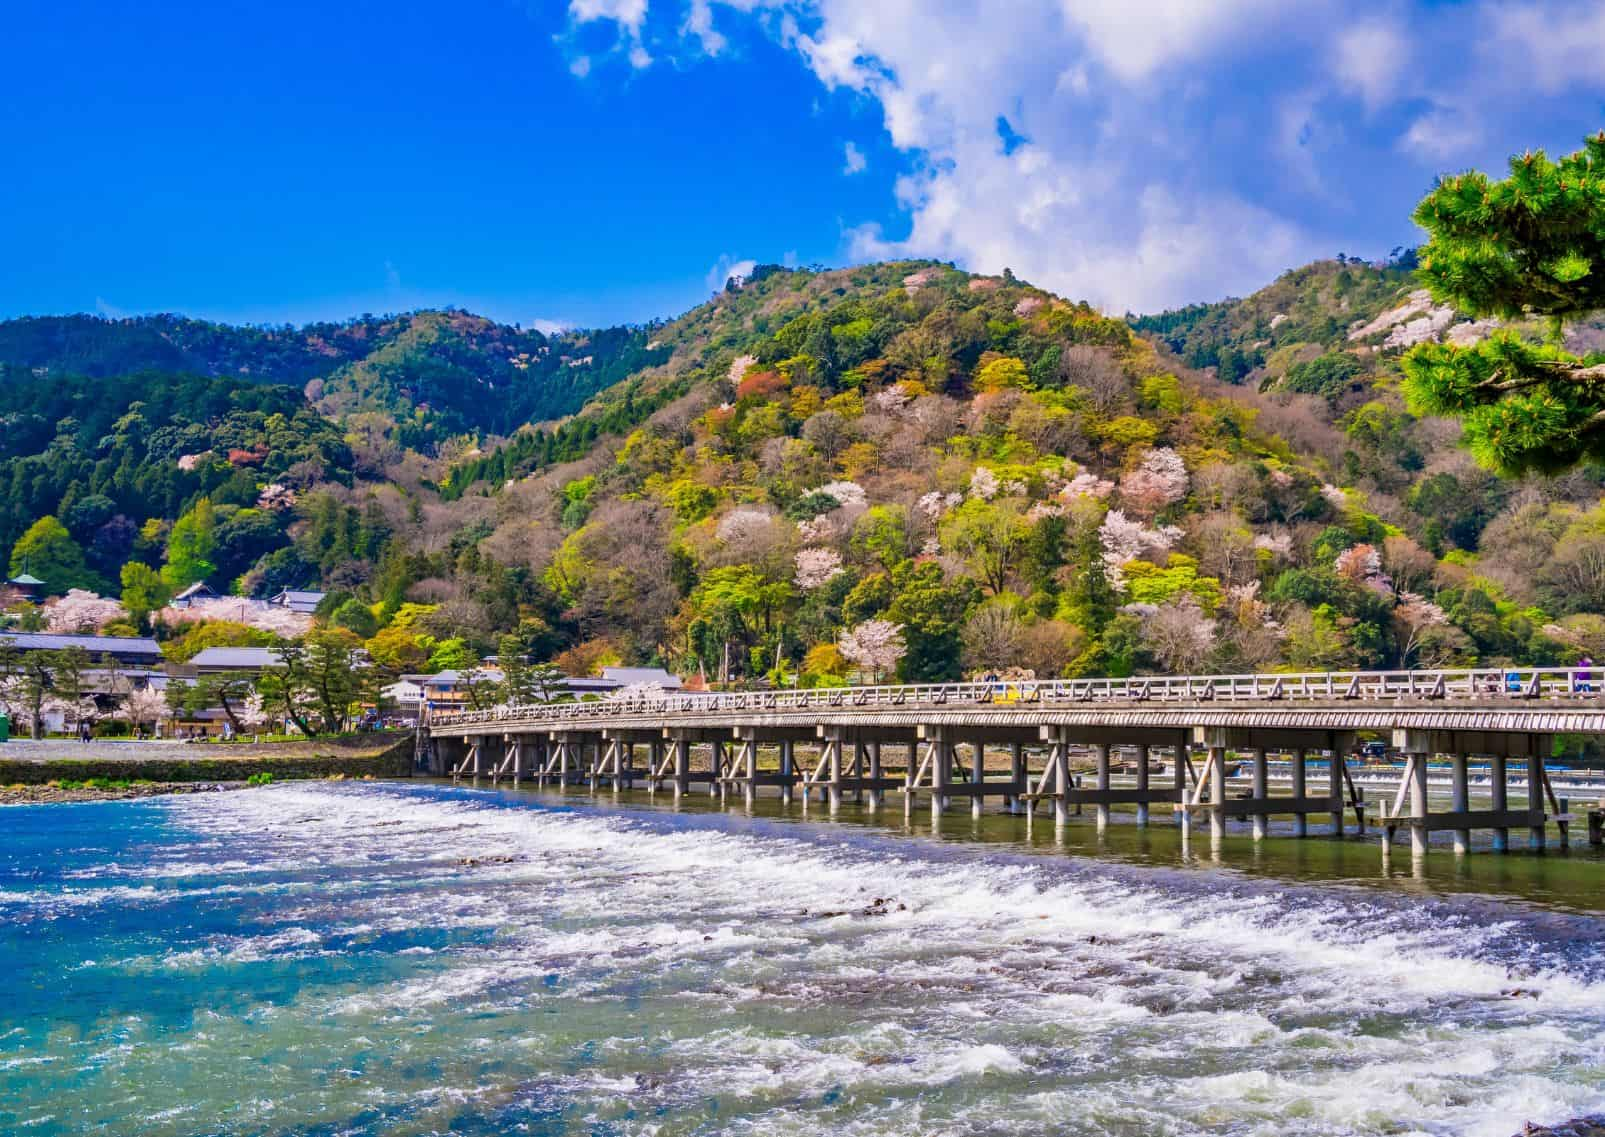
(610, 160)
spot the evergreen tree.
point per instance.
(1530, 245)
(47, 551)
(190, 546)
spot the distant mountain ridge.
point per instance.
(430, 373)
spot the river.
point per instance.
(390, 958)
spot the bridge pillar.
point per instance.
(681, 750)
(941, 769)
(1499, 787)
(1460, 793)
(977, 776)
(1101, 758)
(1535, 799)
(1059, 758)
(1214, 740)
(1301, 821)
(1262, 791)
(749, 771)
(1334, 773)
(1017, 776)
(877, 793)
(1143, 758)
(1416, 746)
(787, 769)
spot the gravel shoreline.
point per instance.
(53, 795)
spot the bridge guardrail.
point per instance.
(1501, 686)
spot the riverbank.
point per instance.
(26, 763)
(107, 791)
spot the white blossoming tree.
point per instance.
(816, 567)
(984, 484)
(1159, 480)
(144, 707)
(875, 646)
(254, 713)
(845, 493)
(81, 611)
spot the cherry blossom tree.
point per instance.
(1159, 480)
(743, 525)
(284, 622)
(81, 611)
(276, 496)
(874, 646)
(254, 712)
(984, 484)
(1124, 539)
(1363, 565)
(891, 400)
(932, 505)
(1086, 484)
(845, 493)
(1178, 634)
(817, 566)
(146, 705)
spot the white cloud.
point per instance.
(106, 308)
(1555, 45)
(629, 15)
(550, 327)
(1145, 153)
(1136, 38)
(726, 267)
(1441, 133)
(1370, 60)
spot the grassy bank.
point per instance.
(385, 757)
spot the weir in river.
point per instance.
(1174, 742)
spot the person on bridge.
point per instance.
(1585, 674)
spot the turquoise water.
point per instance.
(321, 959)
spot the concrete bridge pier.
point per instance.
(1143, 758)
(1261, 764)
(1301, 821)
(788, 771)
(1101, 765)
(1216, 765)
(1500, 792)
(1460, 799)
(1017, 776)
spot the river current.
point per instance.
(371, 958)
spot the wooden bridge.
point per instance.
(1182, 743)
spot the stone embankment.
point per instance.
(28, 763)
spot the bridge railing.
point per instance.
(1489, 685)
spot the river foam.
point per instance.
(482, 961)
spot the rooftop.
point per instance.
(636, 676)
(94, 645)
(236, 657)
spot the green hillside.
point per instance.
(988, 474)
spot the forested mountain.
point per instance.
(424, 376)
(889, 468)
